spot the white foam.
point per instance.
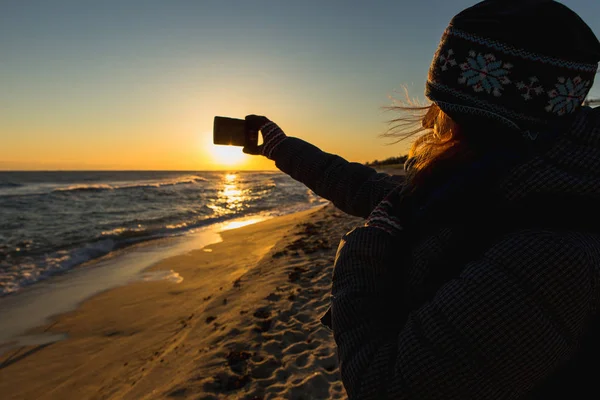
(35, 305)
(170, 276)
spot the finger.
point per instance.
(253, 136)
(255, 122)
(253, 150)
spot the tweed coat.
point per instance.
(500, 306)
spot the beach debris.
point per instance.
(225, 301)
(237, 283)
(210, 319)
(207, 298)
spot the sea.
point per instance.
(52, 222)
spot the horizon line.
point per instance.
(139, 170)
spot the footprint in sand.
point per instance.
(317, 385)
(273, 347)
(296, 274)
(302, 360)
(238, 361)
(273, 297)
(329, 364)
(262, 326)
(265, 369)
(262, 313)
(297, 348)
(304, 318)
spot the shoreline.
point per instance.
(37, 304)
(139, 340)
(131, 244)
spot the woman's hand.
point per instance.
(271, 133)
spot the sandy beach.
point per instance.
(242, 324)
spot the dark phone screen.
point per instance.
(229, 131)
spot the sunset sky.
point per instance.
(127, 84)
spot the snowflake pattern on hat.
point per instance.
(447, 60)
(534, 88)
(567, 95)
(485, 73)
(516, 87)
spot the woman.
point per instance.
(476, 276)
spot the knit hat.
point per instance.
(523, 64)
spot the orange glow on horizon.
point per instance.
(229, 156)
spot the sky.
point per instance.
(135, 85)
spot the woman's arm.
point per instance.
(495, 332)
(352, 187)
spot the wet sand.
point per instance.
(242, 324)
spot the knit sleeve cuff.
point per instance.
(273, 136)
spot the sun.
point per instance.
(227, 155)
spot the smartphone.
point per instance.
(230, 131)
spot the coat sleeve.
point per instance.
(496, 331)
(352, 187)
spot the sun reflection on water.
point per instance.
(230, 178)
(232, 197)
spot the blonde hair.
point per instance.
(440, 144)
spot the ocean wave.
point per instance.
(84, 188)
(266, 187)
(125, 236)
(127, 233)
(14, 277)
(29, 271)
(8, 185)
(41, 231)
(129, 185)
(32, 269)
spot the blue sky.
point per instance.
(135, 84)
